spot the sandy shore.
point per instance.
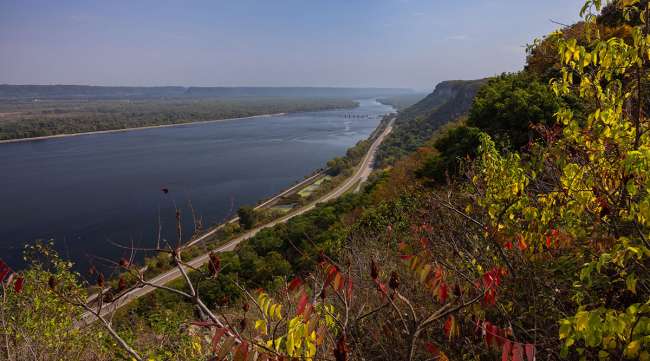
(137, 128)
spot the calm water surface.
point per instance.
(85, 191)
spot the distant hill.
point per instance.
(106, 92)
(415, 124)
(86, 91)
(294, 92)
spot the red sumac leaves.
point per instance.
(443, 292)
(505, 351)
(241, 354)
(18, 284)
(218, 334)
(432, 349)
(491, 281)
(4, 270)
(294, 284)
(341, 350)
(302, 303)
(530, 352)
(450, 328)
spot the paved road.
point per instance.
(262, 205)
(360, 174)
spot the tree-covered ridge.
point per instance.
(20, 119)
(90, 92)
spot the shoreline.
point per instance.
(65, 135)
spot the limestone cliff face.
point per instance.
(417, 123)
(459, 97)
(449, 100)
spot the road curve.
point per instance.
(360, 174)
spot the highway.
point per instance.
(360, 175)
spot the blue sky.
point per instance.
(397, 43)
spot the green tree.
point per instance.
(509, 105)
(247, 217)
(37, 325)
(456, 145)
(337, 166)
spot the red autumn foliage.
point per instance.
(242, 352)
(424, 242)
(18, 284)
(530, 352)
(332, 272)
(302, 303)
(491, 334)
(522, 245)
(341, 350)
(4, 270)
(382, 288)
(491, 281)
(443, 292)
(432, 349)
(506, 350)
(449, 325)
(294, 284)
(517, 352)
(218, 334)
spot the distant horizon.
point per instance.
(212, 86)
(412, 90)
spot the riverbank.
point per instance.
(42, 119)
(138, 128)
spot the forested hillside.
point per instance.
(511, 222)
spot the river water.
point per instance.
(84, 192)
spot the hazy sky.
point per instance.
(396, 43)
